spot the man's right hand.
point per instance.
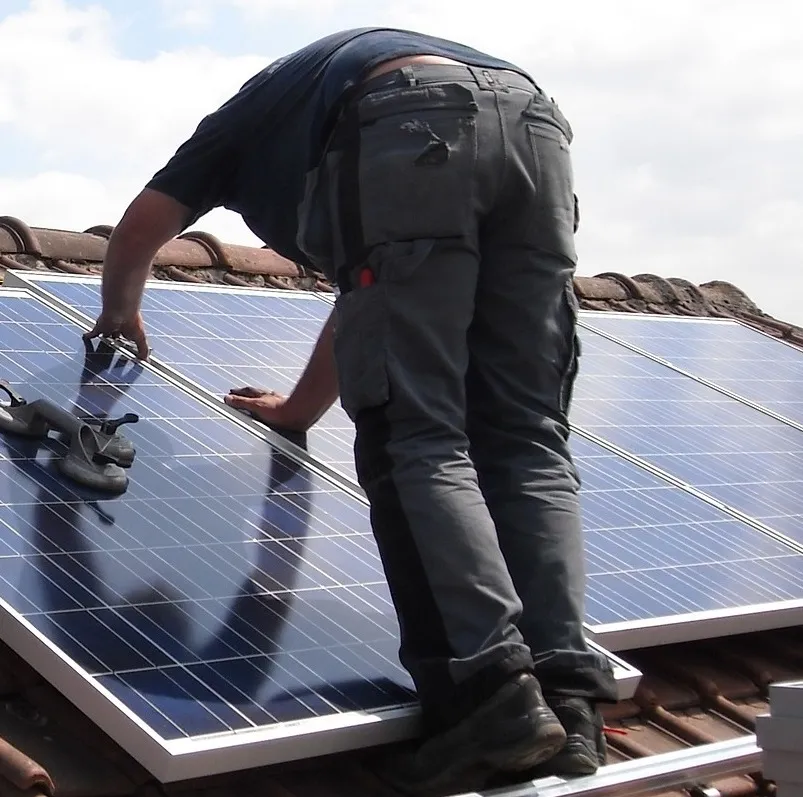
(131, 329)
(267, 406)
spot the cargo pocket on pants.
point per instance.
(360, 344)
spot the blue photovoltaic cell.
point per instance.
(727, 449)
(228, 338)
(742, 360)
(228, 588)
(654, 550)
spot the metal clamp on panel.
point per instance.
(97, 454)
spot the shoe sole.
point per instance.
(547, 743)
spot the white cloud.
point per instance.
(688, 117)
(197, 14)
(67, 200)
(64, 87)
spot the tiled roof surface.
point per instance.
(200, 257)
(690, 694)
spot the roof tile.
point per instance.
(198, 256)
(248, 260)
(658, 691)
(646, 738)
(186, 253)
(705, 725)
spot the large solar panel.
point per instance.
(220, 337)
(733, 453)
(657, 587)
(765, 371)
(228, 610)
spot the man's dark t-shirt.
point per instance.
(252, 154)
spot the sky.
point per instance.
(687, 115)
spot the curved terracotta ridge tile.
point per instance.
(66, 245)
(192, 249)
(103, 230)
(251, 260)
(210, 243)
(22, 771)
(15, 232)
(185, 253)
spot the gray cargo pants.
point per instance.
(445, 210)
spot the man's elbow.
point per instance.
(151, 220)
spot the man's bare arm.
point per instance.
(313, 395)
(150, 221)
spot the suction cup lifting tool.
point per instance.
(97, 453)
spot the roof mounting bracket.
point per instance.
(97, 454)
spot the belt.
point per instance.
(419, 74)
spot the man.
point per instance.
(433, 185)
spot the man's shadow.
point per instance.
(61, 522)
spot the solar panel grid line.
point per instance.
(334, 432)
(238, 289)
(179, 759)
(647, 541)
(344, 479)
(598, 327)
(798, 350)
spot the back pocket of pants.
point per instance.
(417, 165)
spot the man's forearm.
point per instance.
(150, 221)
(317, 389)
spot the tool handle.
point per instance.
(15, 398)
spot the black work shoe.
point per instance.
(585, 749)
(513, 730)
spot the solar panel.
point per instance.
(617, 609)
(223, 337)
(730, 451)
(664, 565)
(762, 370)
(228, 610)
